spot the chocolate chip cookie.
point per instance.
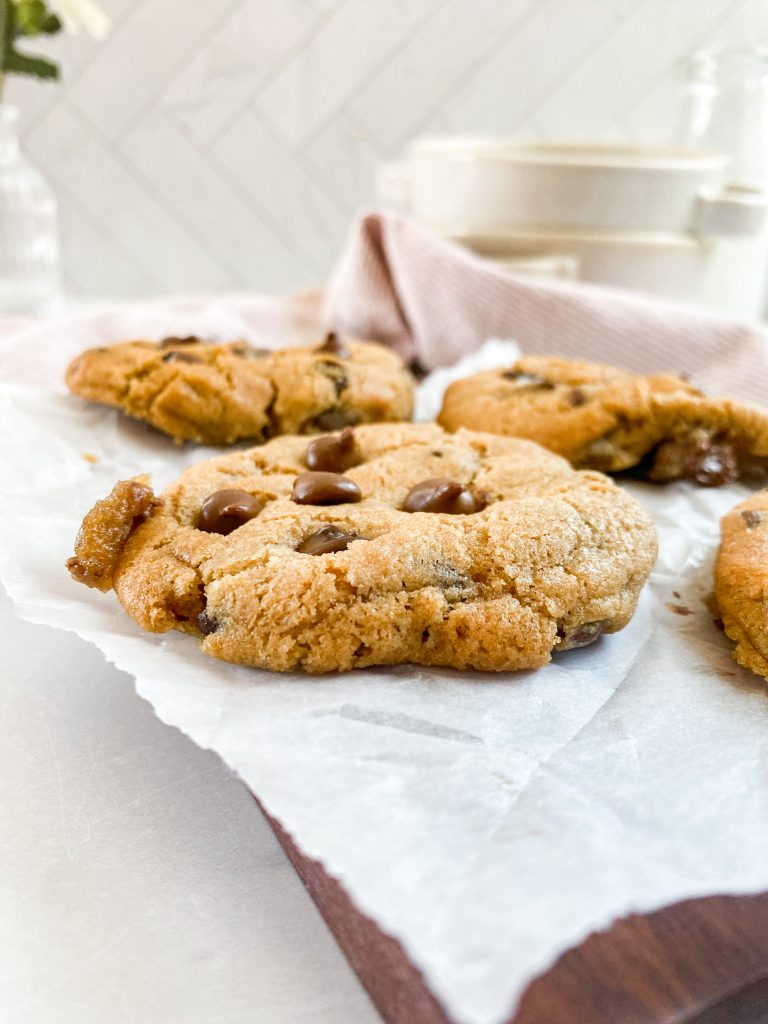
(741, 581)
(218, 394)
(378, 545)
(659, 427)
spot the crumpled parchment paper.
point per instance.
(488, 822)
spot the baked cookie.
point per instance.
(218, 394)
(599, 417)
(380, 545)
(741, 581)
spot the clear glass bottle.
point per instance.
(725, 107)
(29, 229)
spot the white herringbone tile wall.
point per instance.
(226, 144)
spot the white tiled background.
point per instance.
(225, 144)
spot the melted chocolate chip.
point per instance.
(171, 342)
(582, 635)
(333, 453)
(327, 539)
(206, 624)
(695, 456)
(715, 467)
(334, 419)
(317, 488)
(528, 380)
(334, 345)
(752, 518)
(335, 372)
(577, 396)
(226, 510)
(441, 495)
(181, 357)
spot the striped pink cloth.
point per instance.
(435, 301)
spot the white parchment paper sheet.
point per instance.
(488, 822)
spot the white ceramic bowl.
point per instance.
(464, 184)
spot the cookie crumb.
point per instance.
(90, 457)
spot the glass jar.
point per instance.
(725, 108)
(29, 229)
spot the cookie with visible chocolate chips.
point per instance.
(599, 417)
(409, 545)
(219, 394)
(740, 597)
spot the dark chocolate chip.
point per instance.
(335, 372)
(334, 419)
(334, 345)
(226, 510)
(181, 357)
(327, 539)
(441, 495)
(317, 488)
(577, 396)
(418, 369)
(752, 518)
(333, 453)
(582, 635)
(206, 624)
(171, 342)
(528, 380)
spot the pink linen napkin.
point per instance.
(435, 301)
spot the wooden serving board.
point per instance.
(699, 962)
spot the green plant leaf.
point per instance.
(26, 64)
(32, 17)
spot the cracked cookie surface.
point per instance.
(219, 394)
(741, 581)
(599, 417)
(508, 553)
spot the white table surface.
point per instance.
(139, 883)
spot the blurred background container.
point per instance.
(225, 144)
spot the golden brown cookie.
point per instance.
(218, 394)
(380, 545)
(603, 418)
(741, 581)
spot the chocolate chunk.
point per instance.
(206, 624)
(316, 488)
(577, 396)
(171, 342)
(697, 456)
(333, 453)
(327, 539)
(528, 380)
(715, 467)
(441, 495)
(582, 635)
(333, 344)
(181, 357)
(752, 518)
(335, 372)
(226, 510)
(334, 419)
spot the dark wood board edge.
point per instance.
(699, 962)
